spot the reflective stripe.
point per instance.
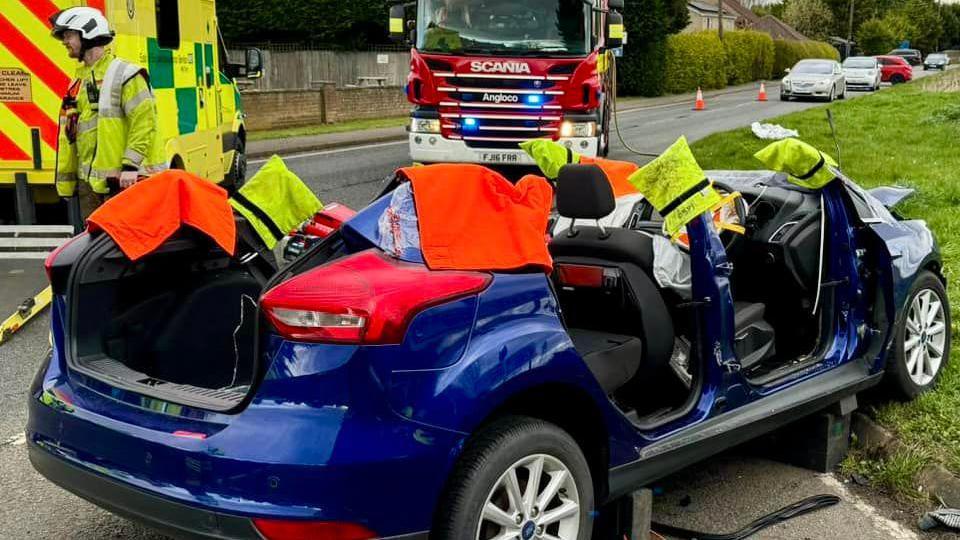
(86, 125)
(66, 177)
(136, 100)
(111, 90)
(133, 156)
(103, 174)
(154, 169)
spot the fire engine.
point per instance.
(486, 75)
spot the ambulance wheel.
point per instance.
(521, 478)
(922, 340)
(238, 168)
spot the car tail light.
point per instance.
(275, 529)
(366, 298)
(48, 262)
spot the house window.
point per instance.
(168, 24)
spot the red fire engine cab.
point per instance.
(486, 75)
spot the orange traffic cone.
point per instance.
(763, 92)
(699, 105)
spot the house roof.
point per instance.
(709, 8)
(741, 10)
(777, 28)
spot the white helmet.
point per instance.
(89, 22)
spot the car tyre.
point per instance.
(487, 494)
(784, 98)
(922, 339)
(833, 95)
(897, 79)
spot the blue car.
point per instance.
(355, 394)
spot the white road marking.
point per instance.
(894, 529)
(334, 151)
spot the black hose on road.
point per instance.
(799, 508)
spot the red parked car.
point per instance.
(894, 69)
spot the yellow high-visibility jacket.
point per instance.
(117, 127)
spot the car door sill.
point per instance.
(739, 425)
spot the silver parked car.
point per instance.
(862, 72)
(814, 78)
(936, 61)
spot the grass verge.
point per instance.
(905, 136)
(323, 129)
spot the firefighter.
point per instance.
(109, 129)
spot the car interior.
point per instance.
(639, 338)
(147, 321)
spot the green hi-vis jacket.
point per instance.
(116, 127)
(275, 201)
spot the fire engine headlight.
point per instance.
(425, 125)
(578, 129)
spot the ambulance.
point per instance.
(179, 43)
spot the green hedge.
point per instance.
(694, 60)
(789, 52)
(750, 56)
(701, 60)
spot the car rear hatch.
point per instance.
(180, 324)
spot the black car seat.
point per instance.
(619, 323)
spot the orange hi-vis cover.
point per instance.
(144, 215)
(472, 218)
(617, 173)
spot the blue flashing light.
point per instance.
(470, 123)
(534, 99)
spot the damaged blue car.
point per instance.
(359, 394)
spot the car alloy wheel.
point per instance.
(925, 337)
(535, 499)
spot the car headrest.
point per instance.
(583, 192)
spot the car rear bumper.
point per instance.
(169, 517)
(175, 519)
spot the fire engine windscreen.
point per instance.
(504, 27)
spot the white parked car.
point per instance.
(814, 78)
(862, 72)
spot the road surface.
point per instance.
(352, 175)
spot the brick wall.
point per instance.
(344, 104)
(272, 109)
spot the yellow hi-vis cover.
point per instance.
(805, 165)
(275, 201)
(676, 186)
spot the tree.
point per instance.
(951, 26)
(875, 37)
(640, 71)
(678, 15)
(924, 17)
(353, 24)
(902, 28)
(811, 18)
